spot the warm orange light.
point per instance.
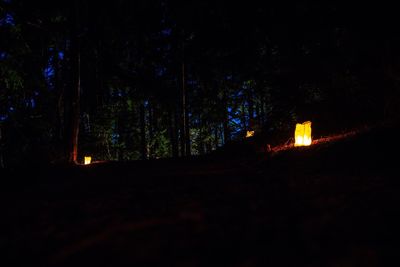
(87, 160)
(249, 134)
(302, 134)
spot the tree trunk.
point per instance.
(143, 131)
(258, 112)
(173, 134)
(99, 75)
(262, 112)
(209, 141)
(216, 137)
(250, 104)
(75, 101)
(59, 120)
(120, 130)
(187, 131)
(151, 126)
(183, 110)
(73, 129)
(244, 117)
(227, 132)
(200, 140)
(1, 152)
(177, 130)
(185, 135)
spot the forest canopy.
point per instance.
(131, 80)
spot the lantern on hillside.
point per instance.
(302, 134)
(249, 134)
(87, 160)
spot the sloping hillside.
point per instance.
(332, 204)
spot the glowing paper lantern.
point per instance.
(249, 134)
(302, 134)
(87, 160)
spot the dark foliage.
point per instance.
(156, 79)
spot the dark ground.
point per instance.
(334, 204)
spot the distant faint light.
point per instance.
(7, 20)
(160, 71)
(249, 134)
(166, 32)
(3, 117)
(3, 55)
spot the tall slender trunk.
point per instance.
(250, 109)
(60, 108)
(227, 132)
(200, 139)
(250, 104)
(73, 129)
(185, 134)
(177, 129)
(187, 131)
(262, 112)
(121, 139)
(99, 75)
(173, 134)
(244, 117)
(225, 123)
(216, 137)
(143, 145)
(183, 128)
(1, 152)
(209, 141)
(151, 129)
(75, 102)
(258, 112)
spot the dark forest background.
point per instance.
(155, 79)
